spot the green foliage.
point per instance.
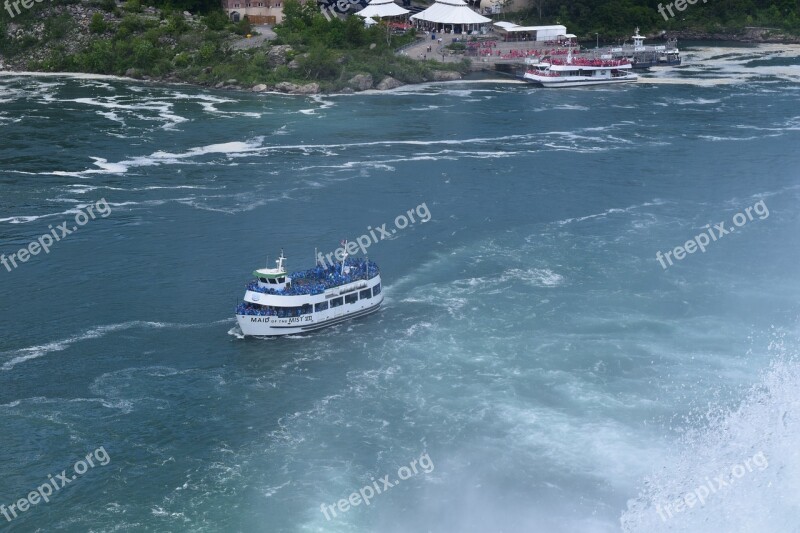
(242, 27)
(176, 24)
(131, 25)
(319, 63)
(97, 25)
(615, 19)
(334, 51)
(216, 20)
(98, 58)
(182, 60)
(133, 6)
(144, 53)
(106, 5)
(207, 53)
(57, 27)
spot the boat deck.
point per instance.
(321, 278)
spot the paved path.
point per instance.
(419, 50)
(266, 34)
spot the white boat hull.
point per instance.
(578, 81)
(262, 325)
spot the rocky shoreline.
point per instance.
(358, 83)
(745, 35)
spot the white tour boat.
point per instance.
(578, 72)
(280, 303)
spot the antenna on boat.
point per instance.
(316, 260)
(280, 261)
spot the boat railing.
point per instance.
(317, 280)
(583, 62)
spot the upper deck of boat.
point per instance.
(321, 278)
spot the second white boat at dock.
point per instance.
(578, 72)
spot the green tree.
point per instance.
(98, 24)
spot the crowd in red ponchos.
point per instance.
(585, 62)
(489, 48)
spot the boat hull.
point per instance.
(272, 326)
(648, 64)
(565, 82)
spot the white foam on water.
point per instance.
(236, 332)
(163, 158)
(34, 352)
(742, 460)
(611, 211)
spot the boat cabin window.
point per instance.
(336, 302)
(376, 290)
(365, 294)
(351, 298)
(281, 279)
(322, 306)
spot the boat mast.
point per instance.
(280, 262)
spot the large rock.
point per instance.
(277, 54)
(293, 88)
(445, 75)
(309, 88)
(286, 87)
(388, 83)
(260, 88)
(361, 82)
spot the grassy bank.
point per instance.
(130, 40)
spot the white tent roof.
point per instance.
(450, 12)
(382, 8)
(511, 27)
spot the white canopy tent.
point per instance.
(382, 9)
(450, 13)
(532, 33)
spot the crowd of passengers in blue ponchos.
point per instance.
(317, 280)
(312, 281)
(280, 312)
